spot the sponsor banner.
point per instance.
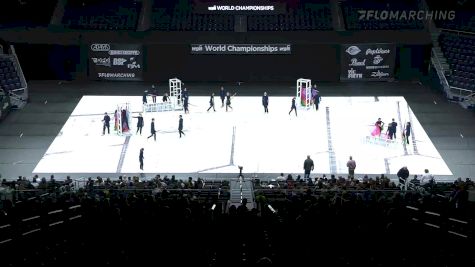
(367, 62)
(121, 62)
(239, 7)
(241, 49)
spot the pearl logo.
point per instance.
(353, 50)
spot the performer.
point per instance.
(378, 126)
(228, 101)
(141, 158)
(165, 98)
(116, 121)
(139, 123)
(294, 107)
(184, 94)
(314, 96)
(106, 121)
(152, 130)
(154, 94)
(407, 132)
(144, 97)
(185, 104)
(211, 102)
(222, 94)
(180, 126)
(392, 127)
(125, 121)
(317, 98)
(265, 102)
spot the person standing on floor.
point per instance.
(294, 107)
(165, 98)
(152, 130)
(308, 166)
(222, 95)
(144, 97)
(407, 132)
(228, 101)
(180, 126)
(139, 123)
(141, 158)
(185, 104)
(351, 164)
(211, 102)
(317, 100)
(392, 127)
(154, 94)
(106, 124)
(265, 102)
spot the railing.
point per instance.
(457, 31)
(440, 71)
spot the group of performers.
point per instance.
(124, 119)
(391, 130)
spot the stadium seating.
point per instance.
(102, 15)
(9, 77)
(127, 222)
(464, 19)
(459, 49)
(351, 14)
(30, 13)
(308, 18)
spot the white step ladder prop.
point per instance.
(304, 93)
(175, 85)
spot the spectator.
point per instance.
(308, 166)
(403, 174)
(351, 164)
(280, 177)
(426, 177)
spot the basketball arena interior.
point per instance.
(237, 132)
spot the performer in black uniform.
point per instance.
(144, 97)
(165, 98)
(293, 106)
(152, 130)
(228, 101)
(222, 94)
(180, 126)
(185, 104)
(407, 132)
(139, 123)
(392, 127)
(106, 121)
(211, 102)
(265, 102)
(141, 158)
(154, 94)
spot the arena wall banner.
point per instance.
(241, 49)
(235, 7)
(119, 62)
(366, 62)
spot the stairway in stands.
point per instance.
(241, 189)
(13, 86)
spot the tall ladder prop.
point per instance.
(304, 93)
(175, 85)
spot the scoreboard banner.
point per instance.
(241, 49)
(366, 62)
(119, 62)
